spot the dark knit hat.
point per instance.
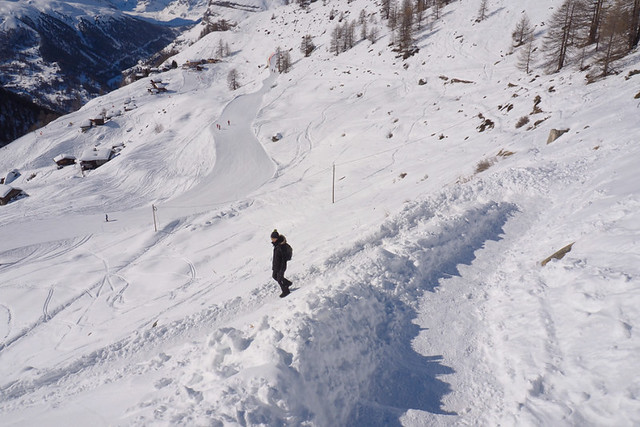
(275, 234)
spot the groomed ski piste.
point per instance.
(420, 297)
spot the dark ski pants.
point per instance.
(282, 281)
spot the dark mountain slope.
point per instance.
(58, 62)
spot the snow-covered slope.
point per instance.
(420, 296)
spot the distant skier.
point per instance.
(281, 254)
(106, 217)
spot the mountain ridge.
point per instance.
(59, 55)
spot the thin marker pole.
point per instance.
(333, 185)
(155, 223)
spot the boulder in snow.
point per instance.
(555, 134)
(558, 255)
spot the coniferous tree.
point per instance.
(522, 31)
(614, 37)
(419, 9)
(283, 60)
(223, 49)
(362, 17)
(482, 12)
(349, 35)
(561, 34)
(335, 45)
(307, 46)
(436, 8)
(364, 30)
(596, 12)
(373, 34)
(386, 6)
(392, 21)
(527, 53)
(362, 20)
(634, 25)
(405, 30)
(233, 79)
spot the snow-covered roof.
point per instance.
(62, 157)
(96, 154)
(5, 190)
(11, 176)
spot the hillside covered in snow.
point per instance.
(420, 192)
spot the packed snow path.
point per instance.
(241, 163)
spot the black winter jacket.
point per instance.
(279, 258)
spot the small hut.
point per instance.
(63, 160)
(94, 158)
(85, 125)
(157, 86)
(193, 65)
(8, 193)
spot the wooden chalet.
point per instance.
(95, 157)
(157, 87)
(194, 65)
(8, 193)
(86, 125)
(63, 160)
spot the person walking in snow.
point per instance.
(281, 254)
